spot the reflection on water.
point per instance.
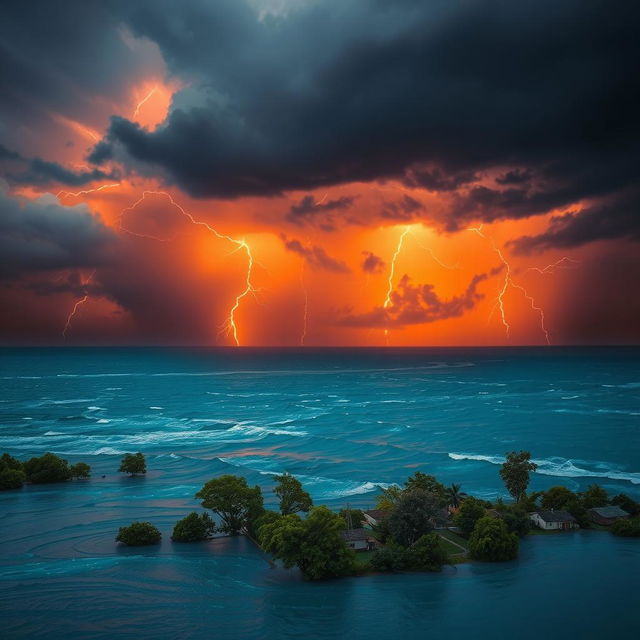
(344, 422)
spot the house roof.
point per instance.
(376, 514)
(610, 512)
(556, 516)
(353, 535)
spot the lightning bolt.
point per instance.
(392, 273)
(64, 194)
(141, 103)
(563, 263)
(229, 326)
(433, 255)
(306, 307)
(508, 282)
(77, 305)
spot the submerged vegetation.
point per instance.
(420, 526)
(45, 469)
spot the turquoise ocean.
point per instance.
(345, 422)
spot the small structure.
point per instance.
(375, 516)
(553, 520)
(607, 515)
(360, 540)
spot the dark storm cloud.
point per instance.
(372, 263)
(616, 217)
(40, 235)
(315, 256)
(309, 208)
(404, 209)
(416, 304)
(333, 92)
(34, 171)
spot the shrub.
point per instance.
(194, 528)
(491, 540)
(471, 510)
(9, 462)
(80, 470)
(392, 557)
(139, 534)
(626, 527)
(11, 479)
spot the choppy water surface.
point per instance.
(344, 422)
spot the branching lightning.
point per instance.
(392, 273)
(229, 326)
(508, 282)
(77, 305)
(563, 263)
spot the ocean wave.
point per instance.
(561, 467)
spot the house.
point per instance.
(553, 520)
(375, 516)
(360, 539)
(607, 515)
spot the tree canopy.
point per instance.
(139, 534)
(133, 464)
(194, 528)
(594, 496)
(471, 510)
(416, 513)
(515, 473)
(314, 544)
(293, 498)
(492, 541)
(231, 498)
(47, 468)
(11, 474)
(80, 470)
(428, 483)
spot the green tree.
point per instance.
(133, 463)
(575, 507)
(353, 518)
(293, 498)
(515, 473)
(455, 495)
(471, 510)
(623, 501)
(626, 527)
(11, 479)
(556, 498)
(9, 462)
(594, 496)
(389, 497)
(238, 505)
(194, 528)
(47, 468)
(427, 553)
(516, 519)
(415, 514)
(425, 482)
(139, 534)
(492, 541)
(80, 470)
(315, 544)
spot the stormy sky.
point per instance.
(280, 171)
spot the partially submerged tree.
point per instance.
(427, 553)
(515, 473)
(492, 541)
(231, 498)
(626, 527)
(47, 468)
(139, 534)
(416, 513)
(315, 544)
(11, 474)
(133, 463)
(194, 528)
(293, 498)
(80, 470)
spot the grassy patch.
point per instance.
(452, 540)
(362, 559)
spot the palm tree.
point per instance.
(455, 495)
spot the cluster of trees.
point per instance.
(39, 470)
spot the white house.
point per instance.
(359, 539)
(553, 520)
